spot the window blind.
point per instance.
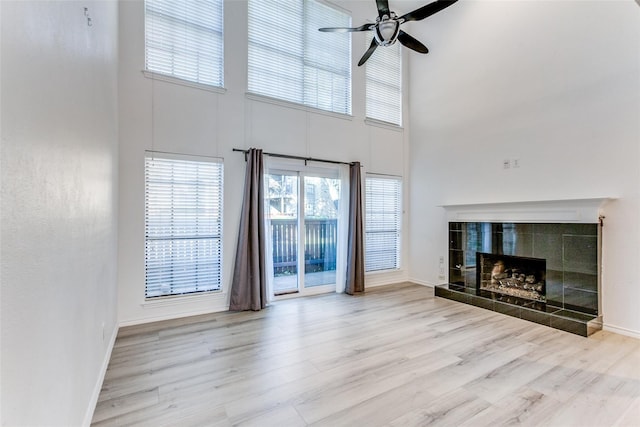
(290, 59)
(184, 39)
(384, 84)
(183, 226)
(383, 217)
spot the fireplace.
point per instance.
(547, 273)
(517, 276)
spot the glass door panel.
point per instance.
(321, 207)
(283, 214)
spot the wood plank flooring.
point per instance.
(395, 356)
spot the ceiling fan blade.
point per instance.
(369, 52)
(383, 7)
(428, 10)
(365, 27)
(411, 43)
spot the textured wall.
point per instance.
(59, 206)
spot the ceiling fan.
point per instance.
(387, 26)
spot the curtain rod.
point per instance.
(287, 156)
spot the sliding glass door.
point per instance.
(321, 204)
(283, 219)
(304, 211)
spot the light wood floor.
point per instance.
(394, 356)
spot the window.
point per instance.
(290, 59)
(382, 223)
(184, 39)
(384, 84)
(183, 226)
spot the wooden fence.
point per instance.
(320, 243)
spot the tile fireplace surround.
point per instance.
(563, 235)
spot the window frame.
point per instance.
(211, 192)
(301, 93)
(398, 215)
(380, 59)
(153, 72)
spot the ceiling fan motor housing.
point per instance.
(387, 30)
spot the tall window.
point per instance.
(183, 226)
(384, 84)
(290, 59)
(184, 39)
(383, 220)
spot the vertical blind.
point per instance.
(384, 84)
(184, 39)
(290, 59)
(183, 226)
(383, 218)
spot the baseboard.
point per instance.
(98, 386)
(170, 316)
(383, 278)
(421, 282)
(621, 331)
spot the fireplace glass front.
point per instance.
(517, 276)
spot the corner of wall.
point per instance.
(98, 385)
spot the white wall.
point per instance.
(58, 208)
(555, 84)
(161, 116)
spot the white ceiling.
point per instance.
(487, 56)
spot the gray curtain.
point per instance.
(249, 285)
(355, 242)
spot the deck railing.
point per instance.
(320, 243)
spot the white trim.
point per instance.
(621, 331)
(171, 316)
(182, 82)
(296, 106)
(177, 300)
(536, 211)
(421, 282)
(88, 416)
(385, 271)
(183, 156)
(384, 277)
(382, 124)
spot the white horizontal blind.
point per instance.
(383, 219)
(384, 84)
(183, 226)
(290, 59)
(184, 39)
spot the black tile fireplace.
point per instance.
(543, 272)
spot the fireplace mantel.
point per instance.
(535, 211)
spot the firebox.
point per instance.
(517, 276)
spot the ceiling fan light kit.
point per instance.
(387, 27)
